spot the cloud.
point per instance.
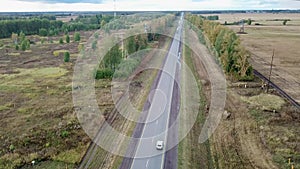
(143, 5)
(66, 1)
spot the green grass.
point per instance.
(257, 115)
(71, 156)
(190, 153)
(58, 52)
(51, 165)
(3, 107)
(265, 101)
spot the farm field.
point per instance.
(260, 41)
(267, 140)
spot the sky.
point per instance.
(142, 5)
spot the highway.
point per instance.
(156, 125)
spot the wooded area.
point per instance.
(49, 25)
(226, 46)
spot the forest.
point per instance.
(226, 46)
(33, 25)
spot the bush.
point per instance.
(43, 32)
(11, 147)
(213, 18)
(24, 45)
(68, 39)
(42, 41)
(80, 47)
(67, 57)
(61, 41)
(94, 45)
(104, 74)
(126, 67)
(64, 134)
(285, 22)
(77, 37)
(249, 22)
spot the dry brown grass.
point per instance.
(260, 40)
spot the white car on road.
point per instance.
(159, 145)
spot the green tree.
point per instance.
(14, 38)
(17, 47)
(130, 45)
(77, 37)
(61, 41)
(113, 58)
(249, 21)
(67, 57)
(42, 41)
(102, 23)
(27, 44)
(43, 32)
(23, 45)
(22, 36)
(80, 47)
(68, 39)
(285, 22)
(141, 42)
(94, 45)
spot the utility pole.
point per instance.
(270, 70)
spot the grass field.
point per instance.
(270, 138)
(271, 35)
(36, 109)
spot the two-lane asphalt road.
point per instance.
(156, 127)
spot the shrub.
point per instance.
(67, 57)
(249, 22)
(43, 32)
(23, 45)
(17, 47)
(61, 41)
(68, 39)
(96, 35)
(64, 134)
(80, 47)
(42, 41)
(77, 37)
(285, 22)
(11, 147)
(104, 74)
(94, 45)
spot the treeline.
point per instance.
(113, 61)
(117, 61)
(212, 18)
(226, 45)
(49, 17)
(27, 26)
(35, 25)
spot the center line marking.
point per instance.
(147, 163)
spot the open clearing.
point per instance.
(36, 109)
(262, 130)
(260, 40)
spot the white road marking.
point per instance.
(152, 139)
(147, 163)
(156, 122)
